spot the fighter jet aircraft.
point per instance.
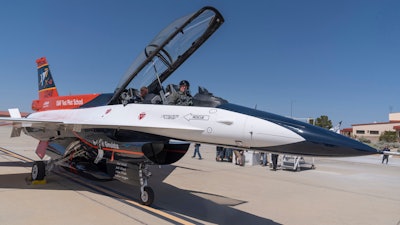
(110, 136)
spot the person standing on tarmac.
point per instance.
(196, 150)
(181, 97)
(385, 157)
(274, 159)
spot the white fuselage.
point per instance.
(189, 123)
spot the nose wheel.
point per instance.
(147, 196)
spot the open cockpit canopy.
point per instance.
(167, 51)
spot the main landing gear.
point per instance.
(82, 160)
(38, 170)
(41, 168)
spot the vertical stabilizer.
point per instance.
(47, 87)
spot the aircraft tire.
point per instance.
(147, 197)
(38, 170)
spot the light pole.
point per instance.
(291, 108)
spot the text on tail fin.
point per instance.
(47, 87)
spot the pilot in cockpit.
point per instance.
(143, 92)
(181, 97)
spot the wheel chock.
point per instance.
(29, 181)
(34, 182)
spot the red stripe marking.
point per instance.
(129, 152)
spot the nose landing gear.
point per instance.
(146, 192)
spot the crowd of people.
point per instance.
(226, 154)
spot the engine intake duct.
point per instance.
(162, 154)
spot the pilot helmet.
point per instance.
(184, 82)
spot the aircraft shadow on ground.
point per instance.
(21, 181)
(200, 205)
(203, 206)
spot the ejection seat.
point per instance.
(207, 99)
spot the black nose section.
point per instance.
(317, 141)
(322, 142)
(320, 148)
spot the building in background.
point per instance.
(372, 131)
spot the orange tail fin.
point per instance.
(47, 87)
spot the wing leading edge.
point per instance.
(92, 118)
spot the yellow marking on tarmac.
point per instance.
(110, 193)
(161, 213)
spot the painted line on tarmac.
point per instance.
(121, 197)
(15, 155)
(156, 212)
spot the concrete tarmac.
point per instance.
(357, 190)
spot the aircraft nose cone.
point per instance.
(316, 140)
(322, 142)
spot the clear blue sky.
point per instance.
(306, 58)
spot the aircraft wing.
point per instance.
(25, 122)
(19, 123)
(77, 126)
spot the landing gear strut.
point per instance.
(146, 192)
(41, 168)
